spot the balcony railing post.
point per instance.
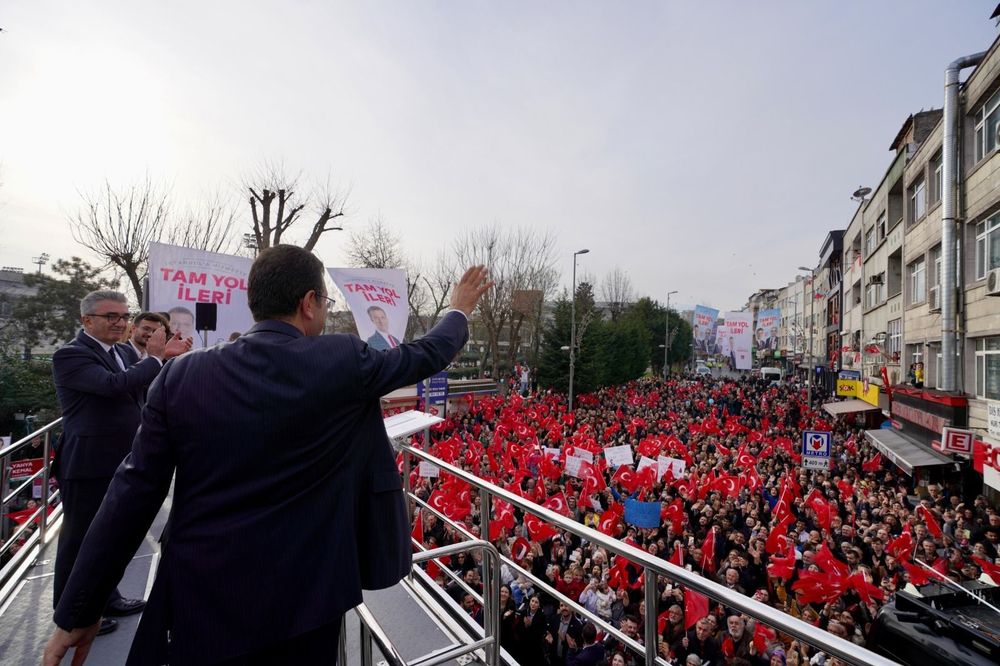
(491, 600)
(365, 645)
(46, 444)
(342, 642)
(650, 637)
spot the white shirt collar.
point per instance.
(105, 346)
(141, 353)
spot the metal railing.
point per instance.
(46, 515)
(372, 631)
(651, 566)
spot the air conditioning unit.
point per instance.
(935, 299)
(993, 282)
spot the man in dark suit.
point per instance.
(381, 339)
(286, 486)
(100, 384)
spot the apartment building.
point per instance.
(853, 291)
(792, 304)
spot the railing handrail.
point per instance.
(772, 617)
(26, 440)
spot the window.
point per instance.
(987, 246)
(870, 242)
(918, 201)
(875, 292)
(935, 288)
(988, 368)
(881, 227)
(937, 179)
(986, 127)
(894, 339)
(918, 281)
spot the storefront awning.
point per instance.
(849, 407)
(903, 452)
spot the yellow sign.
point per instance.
(853, 388)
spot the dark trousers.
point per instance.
(81, 498)
(318, 647)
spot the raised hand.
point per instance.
(466, 293)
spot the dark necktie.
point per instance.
(115, 359)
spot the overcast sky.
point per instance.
(702, 147)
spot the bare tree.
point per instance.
(119, 225)
(211, 226)
(518, 260)
(276, 206)
(375, 246)
(616, 291)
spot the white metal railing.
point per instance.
(651, 567)
(45, 516)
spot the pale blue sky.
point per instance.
(703, 147)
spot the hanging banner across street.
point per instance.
(738, 333)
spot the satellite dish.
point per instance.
(861, 193)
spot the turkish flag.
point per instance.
(872, 464)
(990, 569)
(762, 635)
(695, 608)
(418, 529)
(932, 524)
(773, 543)
(708, 552)
(558, 504)
(783, 567)
(539, 530)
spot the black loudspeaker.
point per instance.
(205, 315)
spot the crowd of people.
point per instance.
(827, 546)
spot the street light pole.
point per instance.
(812, 314)
(666, 338)
(572, 334)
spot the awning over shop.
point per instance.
(903, 452)
(849, 407)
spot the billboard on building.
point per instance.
(182, 277)
(738, 334)
(766, 332)
(703, 329)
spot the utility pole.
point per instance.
(666, 339)
(572, 334)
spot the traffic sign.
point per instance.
(816, 449)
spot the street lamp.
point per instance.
(572, 334)
(666, 337)
(812, 307)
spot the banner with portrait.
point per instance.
(738, 328)
(703, 329)
(182, 277)
(377, 299)
(766, 332)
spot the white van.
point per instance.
(773, 374)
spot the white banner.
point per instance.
(738, 332)
(675, 465)
(429, 469)
(583, 453)
(993, 417)
(616, 456)
(180, 277)
(377, 299)
(573, 466)
(645, 462)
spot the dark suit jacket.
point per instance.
(376, 341)
(100, 405)
(287, 499)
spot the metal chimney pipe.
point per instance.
(949, 178)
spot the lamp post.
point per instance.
(812, 308)
(666, 338)
(572, 334)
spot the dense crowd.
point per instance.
(827, 546)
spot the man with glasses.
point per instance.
(286, 487)
(143, 326)
(100, 392)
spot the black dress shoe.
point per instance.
(107, 626)
(122, 606)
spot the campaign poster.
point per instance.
(738, 329)
(181, 277)
(721, 341)
(706, 321)
(377, 299)
(766, 332)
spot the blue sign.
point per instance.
(437, 394)
(816, 449)
(642, 514)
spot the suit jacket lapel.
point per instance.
(93, 345)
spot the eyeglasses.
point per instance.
(112, 317)
(327, 298)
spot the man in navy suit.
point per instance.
(287, 500)
(381, 339)
(100, 385)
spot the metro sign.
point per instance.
(956, 440)
(816, 449)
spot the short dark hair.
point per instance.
(589, 633)
(372, 308)
(180, 309)
(151, 316)
(279, 277)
